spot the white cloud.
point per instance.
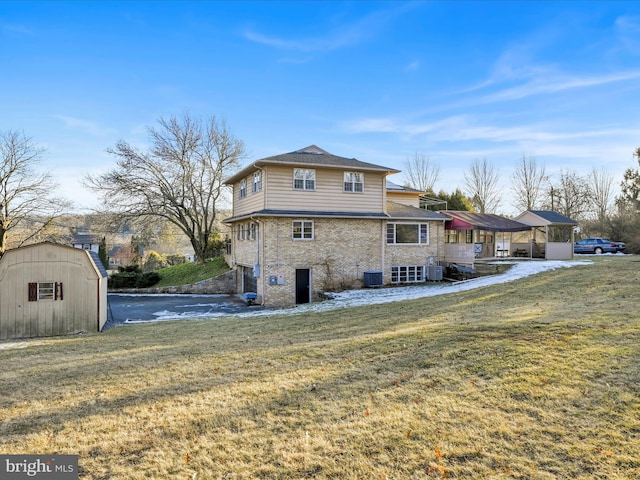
(345, 35)
(16, 28)
(415, 65)
(628, 32)
(85, 125)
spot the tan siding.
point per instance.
(252, 202)
(80, 307)
(328, 195)
(404, 199)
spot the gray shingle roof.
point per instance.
(394, 187)
(487, 221)
(307, 214)
(553, 217)
(397, 211)
(311, 156)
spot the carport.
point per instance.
(470, 236)
(552, 234)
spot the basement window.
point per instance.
(407, 274)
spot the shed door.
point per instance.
(303, 285)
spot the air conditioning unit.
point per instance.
(372, 278)
(434, 273)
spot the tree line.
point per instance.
(587, 198)
(177, 184)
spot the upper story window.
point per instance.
(354, 182)
(302, 230)
(304, 179)
(408, 233)
(243, 188)
(257, 182)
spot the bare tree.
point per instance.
(179, 179)
(27, 206)
(481, 181)
(527, 180)
(571, 195)
(421, 173)
(600, 184)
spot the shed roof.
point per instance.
(544, 217)
(92, 257)
(311, 156)
(461, 220)
(394, 187)
(399, 211)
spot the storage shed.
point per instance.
(48, 289)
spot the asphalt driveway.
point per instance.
(133, 308)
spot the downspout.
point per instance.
(261, 270)
(383, 242)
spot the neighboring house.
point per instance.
(85, 241)
(552, 234)
(48, 289)
(309, 221)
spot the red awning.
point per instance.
(457, 224)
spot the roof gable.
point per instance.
(92, 257)
(553, 217)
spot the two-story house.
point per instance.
(309, 221)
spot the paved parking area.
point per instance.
(133, 308)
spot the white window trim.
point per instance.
(302, 230)
(408, 274)
(46, 291)
(257, 182)
(309, 174)
(243, 188)
(349, 179)
(420, 225)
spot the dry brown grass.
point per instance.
(536, 379)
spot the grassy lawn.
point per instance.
(535, 379)
(191, 272)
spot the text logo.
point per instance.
(39, 467)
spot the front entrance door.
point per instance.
(303, 285)
(249, 282)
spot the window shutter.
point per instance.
(58, 291)
(33, 292)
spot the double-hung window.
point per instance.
(302, 230)
(243, 188)
(408, 233)
(257, 182)
(354, 182)
(304, 179)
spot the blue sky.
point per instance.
(377, 81)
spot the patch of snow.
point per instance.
(17, 345)
(354, 298)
